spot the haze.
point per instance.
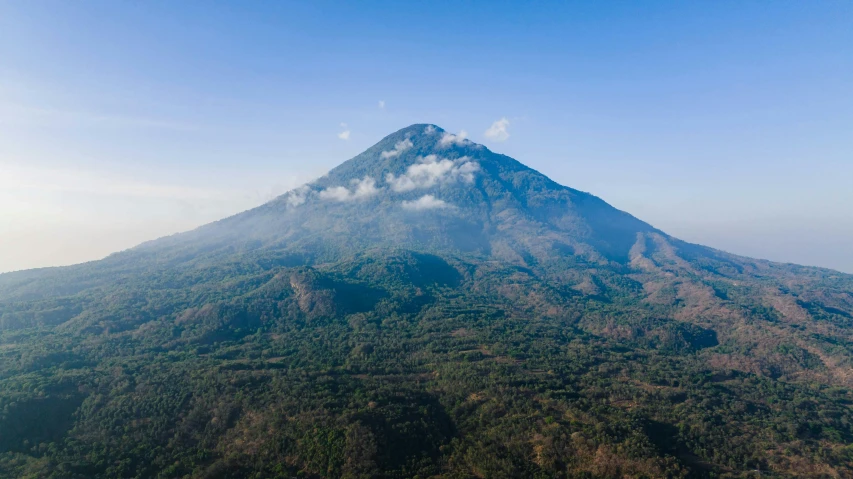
(725, 124)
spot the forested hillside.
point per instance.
(427, 309)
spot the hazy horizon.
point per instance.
(726, 125)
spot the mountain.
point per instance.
(428, 308)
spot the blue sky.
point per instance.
(723, 123)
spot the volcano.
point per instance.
(429, 308)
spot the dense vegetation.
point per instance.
(595, 357)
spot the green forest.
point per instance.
(403, 366)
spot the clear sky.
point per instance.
(723, 123)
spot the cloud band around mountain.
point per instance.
(362, 188)
(425, 202)
(498, 131)
(297, 196)
(399, 148)
(432, 170)
(448, 139)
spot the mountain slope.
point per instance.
(428, 308)
(477, 202)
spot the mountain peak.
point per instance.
(425, 188)
(401, 149)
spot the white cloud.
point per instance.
(432, 170)
(381, 104)
(336, 193)
(364, 187)
(361, 189)
(400, 147)
(449, 138)
(298, 196)
(465, 171)
(429, 130)
(425, 202)
(498, 130)
(344, 135)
